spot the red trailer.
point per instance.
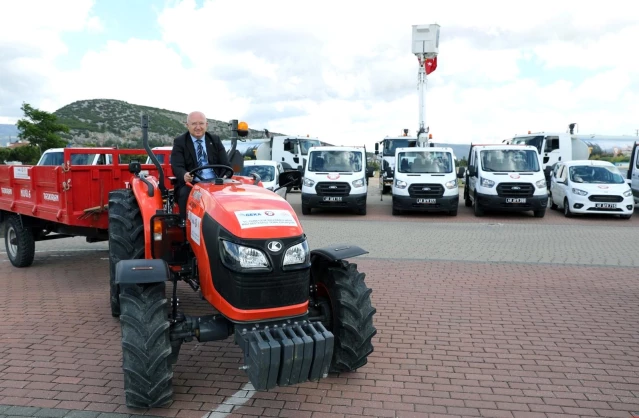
(49, 202)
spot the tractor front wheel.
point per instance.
(146, 346)
(126, 237)
(341, 289)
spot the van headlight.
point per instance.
(627, 193)
(400, 184)
(308, 182)
(297, 254)
(579, 192)
(451, 184)
(541, 184)
(358, 183)
(238, 257)
(486, 182)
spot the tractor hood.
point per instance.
(246, 211)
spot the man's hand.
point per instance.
(188, 178)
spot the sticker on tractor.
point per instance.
(6, 190)
(261, 218)
(195, 227)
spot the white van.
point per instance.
(590, 186)
(505, 178)
(335, 177)
(55, 156)
(269, 172)
(425, 180)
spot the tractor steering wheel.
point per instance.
(195, 172)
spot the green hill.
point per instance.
(105, 122)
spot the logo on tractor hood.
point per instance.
(274, 246)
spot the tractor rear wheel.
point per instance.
(146, 347)
(126, 237)
(341, 288)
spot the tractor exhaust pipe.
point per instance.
(145, 144)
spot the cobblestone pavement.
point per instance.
(502, 316)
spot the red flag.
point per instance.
(430, 65)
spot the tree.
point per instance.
(41, 129)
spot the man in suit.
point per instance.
(193, 149)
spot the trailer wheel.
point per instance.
(19, 242)
(341, 287)
(126, 237)
(146, 347)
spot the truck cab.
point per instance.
(425, 180)
(389, 145)
(335, 178)
(505, 178)
(55, 156)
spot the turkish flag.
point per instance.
(430, 65)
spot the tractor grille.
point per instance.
(515, 190)
(332, 189)
(605, 198)
(434, 190)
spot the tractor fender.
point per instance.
(339, 252)
(141, 271)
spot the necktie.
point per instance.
(200, 153)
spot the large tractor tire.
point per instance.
(19, 242)
(126, 237)
(349, 313)
(146, 347)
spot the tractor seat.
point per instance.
(173, 180)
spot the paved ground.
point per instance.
(501, 316)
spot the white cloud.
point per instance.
(343, 70)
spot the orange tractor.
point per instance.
(296, 314)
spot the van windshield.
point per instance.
(266, 172)
(425, 162)
(594, 174)
(332, 161)
(512, 160)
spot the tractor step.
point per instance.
(287, 354)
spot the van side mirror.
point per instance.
(460, 172)
(287, 145)
(472, 171)
(376, 149)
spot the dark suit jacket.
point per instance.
(184, 156)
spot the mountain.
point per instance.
(8, 130)
(106, 122)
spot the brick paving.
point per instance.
(455, 339)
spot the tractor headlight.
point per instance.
(239, 257)
(297, 254)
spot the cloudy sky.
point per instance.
(339, 70)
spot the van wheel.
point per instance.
(539, 213)
(396, 212)
(452, 212)
(477, 209)
(553, 205)
(361, 211)
(567, 212)
(625, 216)
(306, 210)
